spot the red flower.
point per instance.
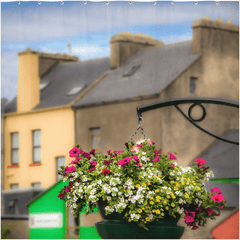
(209, 211)
(93, 163)
(221, 207)
(91, 169)
(74, 152)
(67, 189)
(92, 152)
(87, 155)
(195, 227)
(200, 161)
(188, 219)
(217, 214)
(106, 172)
(199, 209)
(171, 156)
(61, 196)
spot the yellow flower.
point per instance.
(175, 188)
(183, 183)
(147, 188)
(139, 176)
(128, 190)
(156, 190)
(186, 195)
(137, 185)
(162, 214)
(165, 201)
(143, 208)
(196, 177)
(166, 208)
(151, 198)
(198, 189)
(145, 203)
(177, 185)
(157, 200)
(143, 184)
(139, 215)
(152, 202)
(159, 175)
(129, 220)
(172, 182)
(153, 210)
(158, 212)
(194, 183)
(149, 183)
(147, 219)
(168, 196)
(172, 204)
(154, 176)
(173, 196)
(158, 197)
(139, 210)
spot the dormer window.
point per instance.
(43, 85)
(76, 90)
(132, 71)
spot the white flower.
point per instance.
(143, 158)
(143, 153)
(177, 192)
(108, 198)
(150, 164)
(100, 182)
(65, 179)
(168, 192)
(171, 173)
(184, 201)
(180, 200)
(196, 200)
(151, 216)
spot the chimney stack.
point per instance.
(214, 35)
(124, 45)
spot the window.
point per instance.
(36, 146)
(76, 90)
(43, 85)
(60, 162)
(14, 186)
(132, 71)
(36, 185)
(193, 84)
(95, 140)
(15, 148)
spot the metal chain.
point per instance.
(140, 124)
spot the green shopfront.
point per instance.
(49, 218)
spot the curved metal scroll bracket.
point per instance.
(195, 101)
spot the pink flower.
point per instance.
(119, 152)
(191, 213)
(87, 155)
(74, 152)
(91, 169)
(139, 165)
(217, 214)
(171, 156)
(156, 159)
(92, 152)
(209, 211)
(135, 158)
(135, 149)
(195, 227)
(70, 169)
(216, 190)
(124, 161)
(106, 172)
(139, 146)
(75, 161)
(218, 198)
(199, 209)
(61, 196)
(188, 219)
(173, 166)
(93, 163)
(221, 207)
(155, 152)
(200, 161)
(110, 154)
(149, 141)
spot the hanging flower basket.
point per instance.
(140, 191)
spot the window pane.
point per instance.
(37, 154)
(192, 85)
(96, 130)
(99, 142)
(14, 186)
(93, 142)
(37, 138)
(14, 156)
(60, 162)
(36, 185)
(15, 140)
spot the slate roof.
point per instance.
(63, 78)
(223, 160)
(158, 68)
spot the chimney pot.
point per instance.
(207, 18)
(229, 21)
(219, 19)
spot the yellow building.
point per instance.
(39, 122)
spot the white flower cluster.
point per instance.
(121, 204)
(115, 181)
(180, 210)
(107, 208)
(134, 216)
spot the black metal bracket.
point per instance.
(195, 101)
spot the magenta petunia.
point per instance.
(195, 227)
(156, 159)
(135, 158)
(200, 161)
(87, 155)
(119, 152)
(218, 198)
(124, 161)
(171, 156)
(216, 190)
(188, 218)
(155, 152)
(209, 211)
(74, 152)
(61, 196)
(199, 209)
(93, 163)
(92, 152)
(70, 169)
(75, 161)
(191, 213)
(221, 207)
(139, 165)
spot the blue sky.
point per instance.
(49, 26)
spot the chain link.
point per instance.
(140, 124)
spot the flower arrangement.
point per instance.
(141, 182)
